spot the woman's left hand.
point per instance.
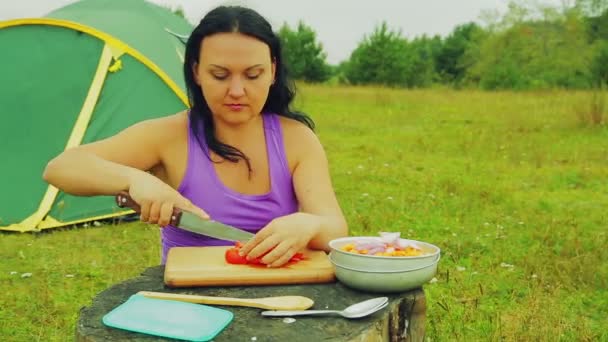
(282, 238)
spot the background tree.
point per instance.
(380, 58)
(599, 67)
(597, 33)
(419, 57)
(303, 54)
(592, 8)
(459, 51)
(535, 53)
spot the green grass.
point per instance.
(511, 186)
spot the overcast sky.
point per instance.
(339, 24)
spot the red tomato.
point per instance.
(297, 257)
(233, 257)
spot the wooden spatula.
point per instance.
(271, 303)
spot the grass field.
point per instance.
(512, 186)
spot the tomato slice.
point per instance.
(233, 257)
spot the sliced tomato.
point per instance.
(297, 257)
(233, 257)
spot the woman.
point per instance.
(239, 155)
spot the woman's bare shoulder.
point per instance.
(296, 130)
(166, 125)
(299, 140)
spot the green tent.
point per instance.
(80, 74)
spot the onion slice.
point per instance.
(369, 245)
(375, 250)
(390, 238)
(403, 244)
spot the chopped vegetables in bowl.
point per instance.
(389, 244)
(383, 258)
(400, 264)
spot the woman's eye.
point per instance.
(220, 77)
(253, 77)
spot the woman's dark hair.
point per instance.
(248, 22)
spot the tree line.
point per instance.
(529, 47)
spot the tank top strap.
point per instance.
(277, 157)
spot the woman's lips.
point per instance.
(235, 106)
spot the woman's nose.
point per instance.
(236, 88)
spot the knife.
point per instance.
(191, 222)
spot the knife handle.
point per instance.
(124, 200)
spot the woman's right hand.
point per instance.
(157, 199)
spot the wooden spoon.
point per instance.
(272, 303)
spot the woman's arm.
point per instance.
(320, 219)
(107, 166)
(316, 196)
(119, 163)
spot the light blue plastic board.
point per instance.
(169, 318)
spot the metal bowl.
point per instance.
(383, 273)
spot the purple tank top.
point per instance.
(202, 186)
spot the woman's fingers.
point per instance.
(255, 241)
(280, 255)
(144, 213)
(263, 247)
(166, 211)
(188, 206)
(154, 213)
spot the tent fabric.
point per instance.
(82, 73)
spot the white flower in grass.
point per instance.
(26, 275)
(534, 276)
(390, 198)
(505, 265)
(289, 320)
(460, 268)
(13, 272)
(96, 223)
(365, 194)
(69, 276)
(254, 338)
(433, 281)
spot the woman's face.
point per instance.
(235, 72)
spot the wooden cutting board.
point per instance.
(206, 266)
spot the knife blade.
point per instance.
(191, 222)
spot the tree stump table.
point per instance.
(402, 320)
